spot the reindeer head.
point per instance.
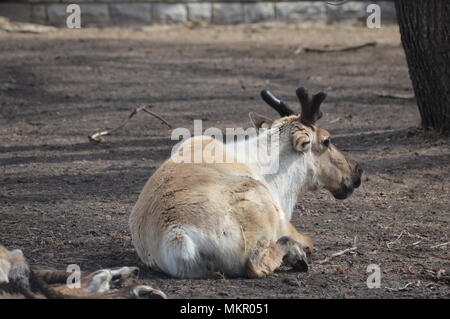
(327, 167)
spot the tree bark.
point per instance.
(424, 29)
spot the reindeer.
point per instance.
(192, 220)
(18, 281)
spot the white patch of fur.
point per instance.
(125, 272)
(293, 175)
(178, 251)
(5, 266)
(188, 252)
(291, 179)
(100, 282)
(17, 252)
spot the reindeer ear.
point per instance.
(260, 121)
(301, 141)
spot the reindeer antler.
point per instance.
(310, 106)
(281, 107)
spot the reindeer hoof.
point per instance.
(147, 292)
(124, 276)
(297, 259)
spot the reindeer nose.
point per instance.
(359, 172)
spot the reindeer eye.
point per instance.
(326, 142)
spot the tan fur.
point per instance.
(191, 217)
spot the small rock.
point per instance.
(291, 282)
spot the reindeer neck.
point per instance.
(289, 181)
(289, 177)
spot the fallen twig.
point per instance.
(402, 234)
(401, 288)
(345, 49)
(354, 149)
(96, 137)
(395, 96)
(335, 120)
(415, 243)
(340, 253)
(10, 26)
(440, 245)
(389, 244)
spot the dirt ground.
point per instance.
(65, 200)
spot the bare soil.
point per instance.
(65, 200)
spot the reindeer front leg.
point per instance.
(304, 240)
(267, 256)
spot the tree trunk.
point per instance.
(424, 29)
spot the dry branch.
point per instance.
(340, 253)
(415, 243)
(96, 137)
(389, 244)
(395, 95)
(440, 245)
(345, 49)
(401, 235)
(401, 288)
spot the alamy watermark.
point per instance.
(246, 146)
(74, 279)
(374, 19)
(73, 20)
(374, 279)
